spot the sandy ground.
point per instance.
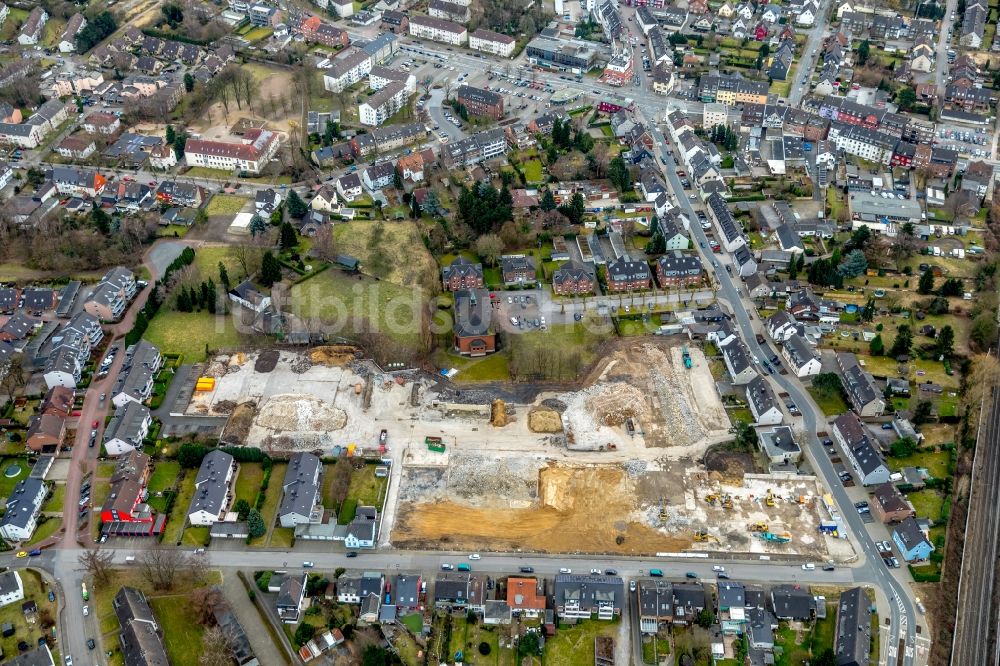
(273, 83)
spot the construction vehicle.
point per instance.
(702, 536)
(712, 499)
(785, 537)
(757, 527)
(770, 498)
(687, 357)
(727, 502)
(663, 510)
(434, 444)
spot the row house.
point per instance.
(76, 23)
(679, 270)
(663, 602)
(127, 429)
(970, 98)
(624, 274)
(581, 597)
(573, 279)
(863, 142)
(315, 31)
(493, 43)
(77, 182)
(135, 379)
(862, 391)
(76, 82)
(732, 90)
(450, 11)
(462, 274)
(386, 139)
(477, 148)
(731, 232)
(111, 296)
(859, 449)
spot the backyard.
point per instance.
(272, 497)
(35, 590)
(175, 523)
(7, 483)
(367, 488)
(225, 204)
(575, 644)
(393, 252)
(927, 504)
(937, 463)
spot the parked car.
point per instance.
(351, 553)
(527, 570)
(447, 567)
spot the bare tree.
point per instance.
(323, 246)
(203, 601)
(247, 86)
(14, 377)
(248, 256)
(489, 247)
(215, 649)
(97, 563)
(161, 566)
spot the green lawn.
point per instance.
(282, 537)
(492, 368)
(181, 636)
(7, 484)
(349, 305)
(224, 204)
(532, 170)
(366, 488)
(55, 503)
(195, 536)
(832, 405)
(45, 530)
(52, 31)
(207, 259)
(188, 333)
(164, 476)
(793, 652)
(258, 34)
(178, 514)
(935, 462)
(9, 30)
(172, 231)
(414, 622)
(272, 498)
(927, 503)
(575, 645)
(249, 480)
(34, 589)
(466, 638)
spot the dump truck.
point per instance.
(434, 444)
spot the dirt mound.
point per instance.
(498, 414)
(544, 420)
(333, 355)
(239, 423)
(266, 360)
(615, 403)
(292, 412)
(728, 465)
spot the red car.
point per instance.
(94, 425)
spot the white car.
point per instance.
(596, 572)
(86, 611)
(718, 569)
(474, 556)
(808, 566)
(564, 570)
(513, 321)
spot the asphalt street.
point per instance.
(809, 55)
(894, 596)
(975, 637)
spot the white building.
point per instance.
(382, 104)
(251, 155)
(438, 30)
(714, 114)
(346, 70)
(212, 488)
(24, 504)
(11, 589)
(76, 23)
(493, 43)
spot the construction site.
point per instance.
(613, 466)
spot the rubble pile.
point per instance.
(544, 420)
(635, 467)
(479, 478)
(677, 411)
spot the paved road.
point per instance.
(975, 637)
(893, 595)
(809, 54)
(941, 63)
(436, 112)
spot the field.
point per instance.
(492, 368)
(340, 304)
(36, 590)
(225, 204)
(831, 404)
(188, 333)
(393, 252)
(575, 645)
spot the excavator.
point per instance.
(757, 527)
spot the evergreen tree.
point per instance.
(946, 341)
(213, 296)
(171, 134)
(223, 276)
(289, 238)
(270, 269)
(295, 206)
(926, 284)
(397, 180)
(183, 301)
(257, 226)
(548, 201)
(619, 175)
(255, 526)
(188, 82)
(876, 346)
(904, 340)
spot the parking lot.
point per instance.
(965, 140)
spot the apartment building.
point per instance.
(480, 102)
(438, 30)
(493, 43)
(346, 70)
(251, 155)
(382, 104)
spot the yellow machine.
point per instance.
(770, 498)
(757, 527)
(727, 502)
(712, 499)
(702, 536)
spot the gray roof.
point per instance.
(9, 583)
(677, 264)
(760, 395)
(142, 644)
(134, 377)
(38, 298)
(236, 637)
(589, 591)
(21, 507)
(625, 269)
(126, 424)
(18, 326)
(778, 441)
(792, 602)
(291, 591)
(301, 485)
(852, 644)
(40, 656)
(788, 238)
(406, 590)
(868, 457)
(371, 582)
(210, 486)
(472, 312)
(860, 387)
(799, 350)
(479, 95)
(731, 594)
(656, 598)
(379, 43)
(909, 533)
(363, 526)
(738, 357)
(761, 631)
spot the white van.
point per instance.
(130, 559)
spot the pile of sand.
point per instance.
(333, 355)
(498, 414)
(544, 420)
(291, 412)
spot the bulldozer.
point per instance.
(702, 536)
(757, 527)
(712, 499)
(770, 498)
(727, 502)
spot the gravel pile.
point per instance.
(677, 412)
(635, 467)
(554, 403)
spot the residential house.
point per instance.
(379, 176)
(126, 501)
(24, 505)
(31, 29)
(573, 278)
(291, 601)
(58, 401)
(315, 31)
(624, 274)
(801, 356)
(473, 330)
(852, 643)
(676, 269)
(689, 600)
(738, 363)
(779, 446)
(177, 193)
(462, 274)
(656, 603)
(580, 597)
(63, 368)
(135, 379)
(77, 182)
(460, 590)
(491, 42)
(76, 23)
(889, 505)
(451, 11)
(792, 602)
(517, 270)
(781, 325)
(110, 298)
(763, 404)
(362, 531)
(526, 596)
(860, 450)
(864, 395)
(406, 591)
(911, 540)
(212, 488)
(411, 168)
(349, 186)
(46, 431)
(300, 501)
(76, 147)
(11, 588)
(141, 637)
